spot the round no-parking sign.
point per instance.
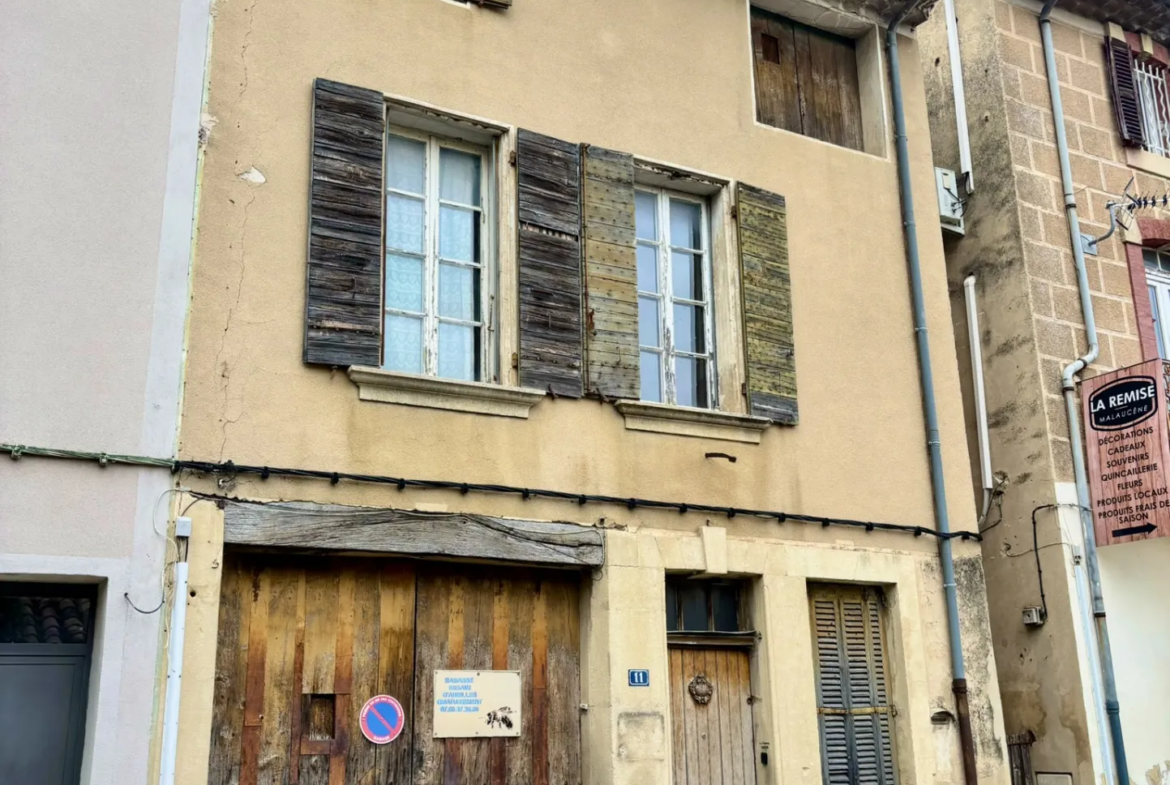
(382, 719)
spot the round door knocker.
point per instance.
(701, 689)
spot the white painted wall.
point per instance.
(98, 149)
(1135, 578)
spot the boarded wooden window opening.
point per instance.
(853, 704)
(806, 80)
(304, 642)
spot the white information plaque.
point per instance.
(476, 703)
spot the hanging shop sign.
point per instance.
(472, 704)
(1128, 445)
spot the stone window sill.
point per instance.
(1148, 162)
(375, 384)
(686, 421)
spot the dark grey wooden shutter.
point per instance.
(853, 705)
(343, 298)
(1119, 63)
(549, 191)
(767, 304)
(611, 273)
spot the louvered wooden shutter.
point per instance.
(549, 190)
(853, 704)
(343, 298)
(1119, 62)
(611, 273)
(767, 304)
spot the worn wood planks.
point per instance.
(343, 297)
(302, 525)
(548, 183)
(767, 304)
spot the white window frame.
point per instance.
(1158, 288)
(431, 257)
(1154, 101)
(666, 298)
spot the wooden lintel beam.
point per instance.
(319, 527)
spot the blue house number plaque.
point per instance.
(639, 677)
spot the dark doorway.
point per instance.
(46, 638)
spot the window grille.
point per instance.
(1154, 100)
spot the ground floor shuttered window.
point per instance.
(853, 701)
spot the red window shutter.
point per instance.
(1119, 61)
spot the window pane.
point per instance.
(26, 619)
(651, 376)
(458, 177)
(690, 381)
(648, 324)
(686, 222)
(686, 275)
(1151, 259)
(458, 352)
(688, 329)
(459, 292)
(1157, 321)
(404, 223)
(458, 234)
(693, 601)
(405, 164)
(403, 344)
(648, 268)
(671, 607)
(404, 283)
(646, 213)
(725, 608)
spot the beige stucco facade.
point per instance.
(1017, 245)
(670, 82)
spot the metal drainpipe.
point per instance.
(926, 377)
(1068, 385)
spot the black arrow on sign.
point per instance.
(1145, 528)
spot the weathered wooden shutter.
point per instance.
(611, 273)
(853, 705)
(767, 304)
(1119, 62)
(549, 190)
(343, 298)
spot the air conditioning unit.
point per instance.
(950, 203)
(1033, 616)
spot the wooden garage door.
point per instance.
(303, 643)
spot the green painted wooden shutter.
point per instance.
(611, 273)
(767, 304)
(853, 704)
(549, 190)
(343, 296)
(1119, 65)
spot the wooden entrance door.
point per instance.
(711, 714)
(303, 643)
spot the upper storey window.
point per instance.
(434, 256)
(806, 80)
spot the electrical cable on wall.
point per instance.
(231, 469)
